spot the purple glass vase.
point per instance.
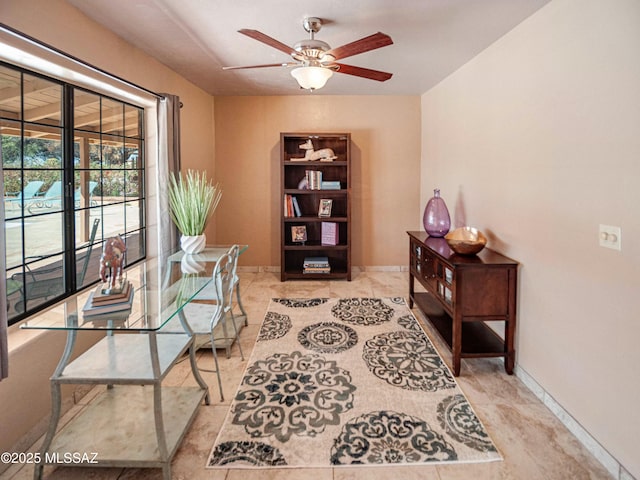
(436, 218)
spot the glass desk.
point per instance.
(136, 421)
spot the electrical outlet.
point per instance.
(610, 237)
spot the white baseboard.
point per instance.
(258, 269)
(383, 268)
(609, 462)
(372, 268)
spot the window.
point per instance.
(73, 174)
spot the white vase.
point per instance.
(193, 243)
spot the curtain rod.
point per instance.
(40, 43)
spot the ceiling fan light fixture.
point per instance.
(311, 78)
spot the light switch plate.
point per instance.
(610, 237)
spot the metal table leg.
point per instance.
(56, 401)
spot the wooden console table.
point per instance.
(463, 294)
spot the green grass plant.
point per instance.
(192, 198)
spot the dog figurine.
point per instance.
(324, 154)
(112, 260)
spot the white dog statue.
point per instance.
(324, 154)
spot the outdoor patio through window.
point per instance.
(73, 175)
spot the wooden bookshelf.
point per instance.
(308, 200)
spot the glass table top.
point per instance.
(210, 253)
(160, 291)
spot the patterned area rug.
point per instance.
(350, 381)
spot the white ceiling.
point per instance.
(432, 38)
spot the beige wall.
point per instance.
(25, 395)
(537, 142)
(385, 134)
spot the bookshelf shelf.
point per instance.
(302, 195)
(315, 246)
(315, 219)
(294, 191)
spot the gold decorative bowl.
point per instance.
(466, 240)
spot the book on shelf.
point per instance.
(291, 206)
(314, 179)
(329, 233)
(90, 309)
(317, 270)
(285, 205)
(296, 207)
(330, 185)
(316, 261)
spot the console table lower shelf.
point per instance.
(478, 339)
(127, 436)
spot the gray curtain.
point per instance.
(168, 163)
(4, 352)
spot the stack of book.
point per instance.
(100, 303)
(314, 179)
(316, 265)
(291, 207)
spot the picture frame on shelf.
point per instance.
(324, 207)
(299, 233)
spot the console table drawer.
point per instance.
(485, 292)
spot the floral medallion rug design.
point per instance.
(349, 381)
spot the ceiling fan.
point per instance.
(315, 60)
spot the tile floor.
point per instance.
(533, 442)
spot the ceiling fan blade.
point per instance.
(267, 65)
(272, 42)
(363, 72)
(377, 40)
